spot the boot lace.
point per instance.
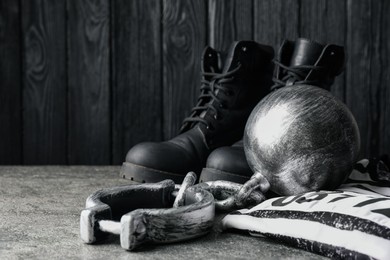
(208, 98)
(295, 75)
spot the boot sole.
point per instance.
(139, 173)
(210, 174)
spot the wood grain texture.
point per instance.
(364, 76)
(184, 37)
(10, 83)
(44, 82)
(229, 21)
(325, 21)
(136, 80)
(59, 103)
(275, 21)
(378, 99)
(88, 72)
(384, 77)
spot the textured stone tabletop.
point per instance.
(39, 219)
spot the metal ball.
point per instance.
(301, 138)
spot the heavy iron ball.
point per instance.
(301, 138)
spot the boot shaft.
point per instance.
(308, 62)
(253, 78)
(229, 94)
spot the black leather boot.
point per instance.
(226, 100)
(299, 62)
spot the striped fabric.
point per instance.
(350, 222)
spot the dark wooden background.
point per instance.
(81, 81)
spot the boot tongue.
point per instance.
(305, 52)
(231, 54)
(211, 62)
(229, 62)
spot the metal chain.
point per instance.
(224, 192)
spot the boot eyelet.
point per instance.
(221, 106)
(210, 127)
(244, 48)
(217, 117)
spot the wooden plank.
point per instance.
(184, 38)
(10, 83)
(44, 82)
(88, 72)
(366, 78)
(325, 21)
(229, 21)
(275, 21)
(384, 77)
(136, 61)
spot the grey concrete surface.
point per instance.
(39, 219)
